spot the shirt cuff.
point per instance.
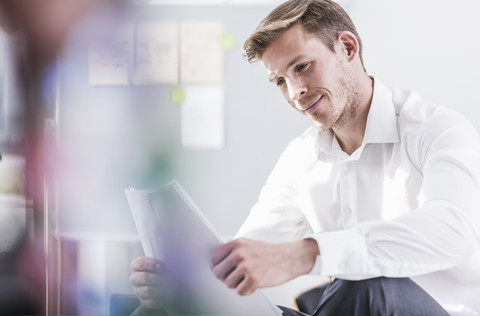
(341, 252)
(317, 266)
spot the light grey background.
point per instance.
(225, 183)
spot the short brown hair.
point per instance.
(322, 17)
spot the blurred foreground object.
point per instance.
(44, 25)
(30, 252)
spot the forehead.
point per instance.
(291, 47)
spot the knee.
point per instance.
(379, 296)
(374, 285)
(382, 290)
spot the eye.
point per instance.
(303, 66)
(280, 82)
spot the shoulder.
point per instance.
(300, 152)
(415, 114)
(425, 126)
(411, 107)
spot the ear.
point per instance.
(348, 44)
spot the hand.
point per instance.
(246, 265)
(151, 283)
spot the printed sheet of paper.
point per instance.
(202, 117)
(109, 62)
(172, 229)
(156, 53)
(201, 56)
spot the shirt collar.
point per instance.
(381, 126)
(382, 118)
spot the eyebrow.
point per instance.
(290, 64)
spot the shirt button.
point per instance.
(348, 164)
(348, 211)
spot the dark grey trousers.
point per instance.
(374, 297)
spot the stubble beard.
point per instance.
(352, 102)
(341, 115)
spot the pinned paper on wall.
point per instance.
(108, 62)
(202, 115)
(201, 55)
(156, 53)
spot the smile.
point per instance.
(312, 107)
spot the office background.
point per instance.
(121, 136)
(408, 44)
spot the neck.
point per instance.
(350, 132)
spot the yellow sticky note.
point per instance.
(178, 95)
(226, 41)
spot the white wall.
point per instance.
(429, 46)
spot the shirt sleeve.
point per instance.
(441, 233)
(277, 217)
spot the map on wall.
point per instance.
(156, 53)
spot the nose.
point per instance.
(296, 89)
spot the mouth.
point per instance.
(311, 107)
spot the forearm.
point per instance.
(406, 246)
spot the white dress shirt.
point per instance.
(404, 204)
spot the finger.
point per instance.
(151, 303)
(147, 264)
(142, 278)
(153, 292)
(158, 295)
(234, 278)
(247, 286)
(220, 253)
(225, 267)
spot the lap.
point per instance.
(372, 297)
(377, 296)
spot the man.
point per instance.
(382, 193)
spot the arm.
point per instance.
(277, 216)
(277, 220)
(441, 233)
(246, 265)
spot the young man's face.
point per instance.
(314, 80)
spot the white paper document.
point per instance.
(173, 229)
